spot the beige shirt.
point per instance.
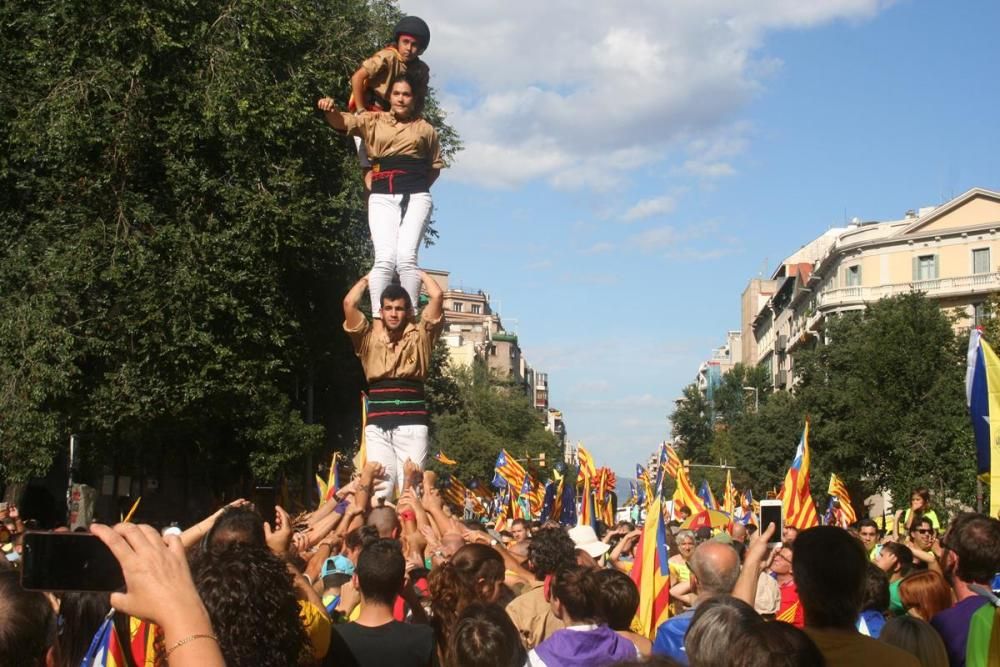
(847, 648)
(384, 136)
(533, 616)
(407, 359)
(387, 64)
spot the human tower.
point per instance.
(400, 158)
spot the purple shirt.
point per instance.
(581, 646)
(953, 626)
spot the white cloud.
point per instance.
(583, 93)
(650, 207)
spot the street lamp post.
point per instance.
(756, 398)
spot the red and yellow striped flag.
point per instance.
(685, 494)
(838, 490)
(797, 502)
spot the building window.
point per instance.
(852, 276)
(476, 309)
(925, 267)
(456, 306)
(978, 314)
(981, 260)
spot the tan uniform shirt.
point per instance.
(844, 648)
(386, 65)
(533, 616)
(384, 136)
(407, 359)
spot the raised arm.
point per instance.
(353, 317)
(435, 303)
(333, 117)
(753, 565)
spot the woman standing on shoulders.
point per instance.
(406, 160)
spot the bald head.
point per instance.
(739, 532)
(385, 521)
(716, 567)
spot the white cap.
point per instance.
(585, 538)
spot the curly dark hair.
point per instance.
(471, 575)
(250, 597)
(550, 550)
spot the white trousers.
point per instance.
(396, 237)
(392, 447)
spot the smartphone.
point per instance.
(69, 562)
(770, 512)
(264, 499)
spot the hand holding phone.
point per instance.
(69, 562)
(771, 512)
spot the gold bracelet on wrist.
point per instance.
(185, 640)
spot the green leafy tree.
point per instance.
(444, 396)
(763, 443)
(177, 227)
(887, 402)
(495, 414)
(692, 425)
(742, 389)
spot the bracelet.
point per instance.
(189, 638)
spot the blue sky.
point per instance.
(626, 174)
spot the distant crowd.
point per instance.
(360, 581)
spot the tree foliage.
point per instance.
(885, 399)
(493, 414)
(692, 424)
(177, 228)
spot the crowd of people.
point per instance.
(362, 581)
(386, 572)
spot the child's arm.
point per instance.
(359, 86)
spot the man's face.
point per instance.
(782, 562)
(518, 531)
(923, 535)
(869, 536)
(789, 534)
(408, 47)
(394, 314)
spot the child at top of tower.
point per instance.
(370, 84)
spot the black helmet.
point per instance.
(413, 25)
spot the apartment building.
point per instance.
(472, 330)
(949, 252)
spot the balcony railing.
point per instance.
(936, 287)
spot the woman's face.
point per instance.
(917, 502)
(686, 547)
(401, 100)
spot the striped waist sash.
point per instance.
(394, 403)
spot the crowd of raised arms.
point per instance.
(361, 581)
(387, 572)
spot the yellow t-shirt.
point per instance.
(318, 628)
